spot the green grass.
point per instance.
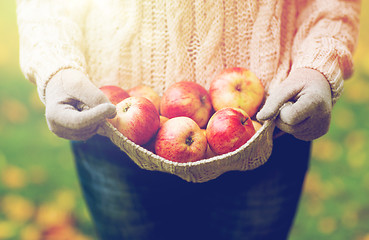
(35, 165)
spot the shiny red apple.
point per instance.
(237, 87)
(114, 93)
(137, 119)
(228, 129)
(187, 99)
(147, 92)
(180, 139)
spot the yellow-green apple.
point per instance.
(147, 92)
(237, 87)
(137, 119)
(186, 99)
(163, 120)
(114, 93)
(208, 153)
(180, 139)
(256, 124)
(151, 144)
(228, 129)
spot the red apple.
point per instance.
(180, 139)
(137, 119)
(228, 129)
(187, 99)
(114, 93)
(147, 92)
(237, 87)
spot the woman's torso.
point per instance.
(158, 42)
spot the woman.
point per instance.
(301, 51)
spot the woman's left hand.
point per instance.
(303, 101)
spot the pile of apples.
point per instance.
(189, 123)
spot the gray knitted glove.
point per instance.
(75, 108)
(303, 101)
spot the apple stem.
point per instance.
(238, 87)
(245, 121)
(203, 99)
(126, 108)
(189, 141)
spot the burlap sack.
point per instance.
(251, 155)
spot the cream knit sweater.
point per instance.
(158, 42)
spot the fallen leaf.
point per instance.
(17, 208)
(13, 177)
(14, 111)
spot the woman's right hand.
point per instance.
(75, 108)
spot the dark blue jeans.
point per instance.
(127, 202)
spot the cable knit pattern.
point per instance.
(51, 37)
(326, 38)
(159, 42)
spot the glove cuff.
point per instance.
(42, 85)
(332, 73)
(335, 64)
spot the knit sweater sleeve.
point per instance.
(50, 37)
(326, 37)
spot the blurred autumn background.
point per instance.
(39, 192)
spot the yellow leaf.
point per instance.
(313, 183)
(365, 237)
(349, 218)
(35, 101)
(14, 111)
(17, 208)
(314, 207)
(81, 237)
(7, 229)
(357, 90)
(327, 150)
(30, 232)
(327, 225)
(356, 140)
(314, 188)
(4, 56)
(65, 200)
(50, 215)
(344, 118)
(37, 174)
(356, 159)
(59, 232)
(13, 177)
